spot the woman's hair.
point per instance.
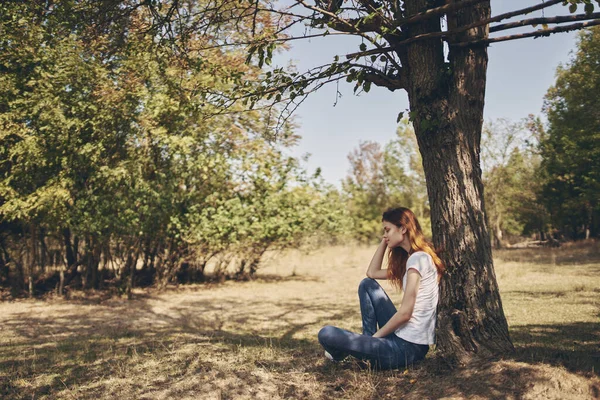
(397, 256)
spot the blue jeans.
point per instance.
(385, 353)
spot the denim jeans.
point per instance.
(385, 353)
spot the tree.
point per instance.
(446, 95)
(366, 190)
(510, 165)
(404, 174)
(571, 146)
(382, 178)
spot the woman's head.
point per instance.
(400, 226)
(403, 235)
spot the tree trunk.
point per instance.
(61, 282)
(32, 259)
(446, 101)
(72, 262)
(498, 243)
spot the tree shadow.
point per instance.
(574, 346)
(195, 352)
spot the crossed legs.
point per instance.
(376, 309)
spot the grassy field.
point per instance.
(247, 340)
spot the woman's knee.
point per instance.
(327, 334)
(367, 285)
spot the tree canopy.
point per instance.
(118, 159)
(571, 145)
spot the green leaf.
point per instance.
(362, 47)
(400, 116)
(589, 8)
(367, 86)
(572, 8)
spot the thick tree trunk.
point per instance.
(446, 101)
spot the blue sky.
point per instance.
(519, 74)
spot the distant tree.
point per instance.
(508, 169)
(404, 175)
(366, 189)
(571, 146)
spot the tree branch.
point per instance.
(541, 21)
(356, 24)
(382, 80)
(434, 12)
(448, 34)
(522, 11)
(345, 22)
(379, 78)
(535, 34)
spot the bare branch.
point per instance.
(277, 40)
(523, 11)
(374, 25)
(535, 34)
(541, 21)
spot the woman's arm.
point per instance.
(374, 271)
(413, 279)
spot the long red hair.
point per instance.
(397, 257)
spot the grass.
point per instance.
(258, 339)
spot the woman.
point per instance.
(394, 338)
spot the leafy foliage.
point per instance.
(571, 146)
(122, 160)
(383, 178)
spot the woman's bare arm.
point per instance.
(413, 279)
(374, 271)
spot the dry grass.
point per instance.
(258, 339)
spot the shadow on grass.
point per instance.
(137, 350)
(574, 346)
(104, 343)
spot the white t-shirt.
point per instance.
(420, 329)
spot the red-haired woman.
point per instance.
(394, 338)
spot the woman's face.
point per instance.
(393, 235)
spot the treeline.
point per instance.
(543, 179)
(122, 164)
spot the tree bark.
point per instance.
(446, 101)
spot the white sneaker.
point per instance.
(329, 356)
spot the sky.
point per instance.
(519, 74)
